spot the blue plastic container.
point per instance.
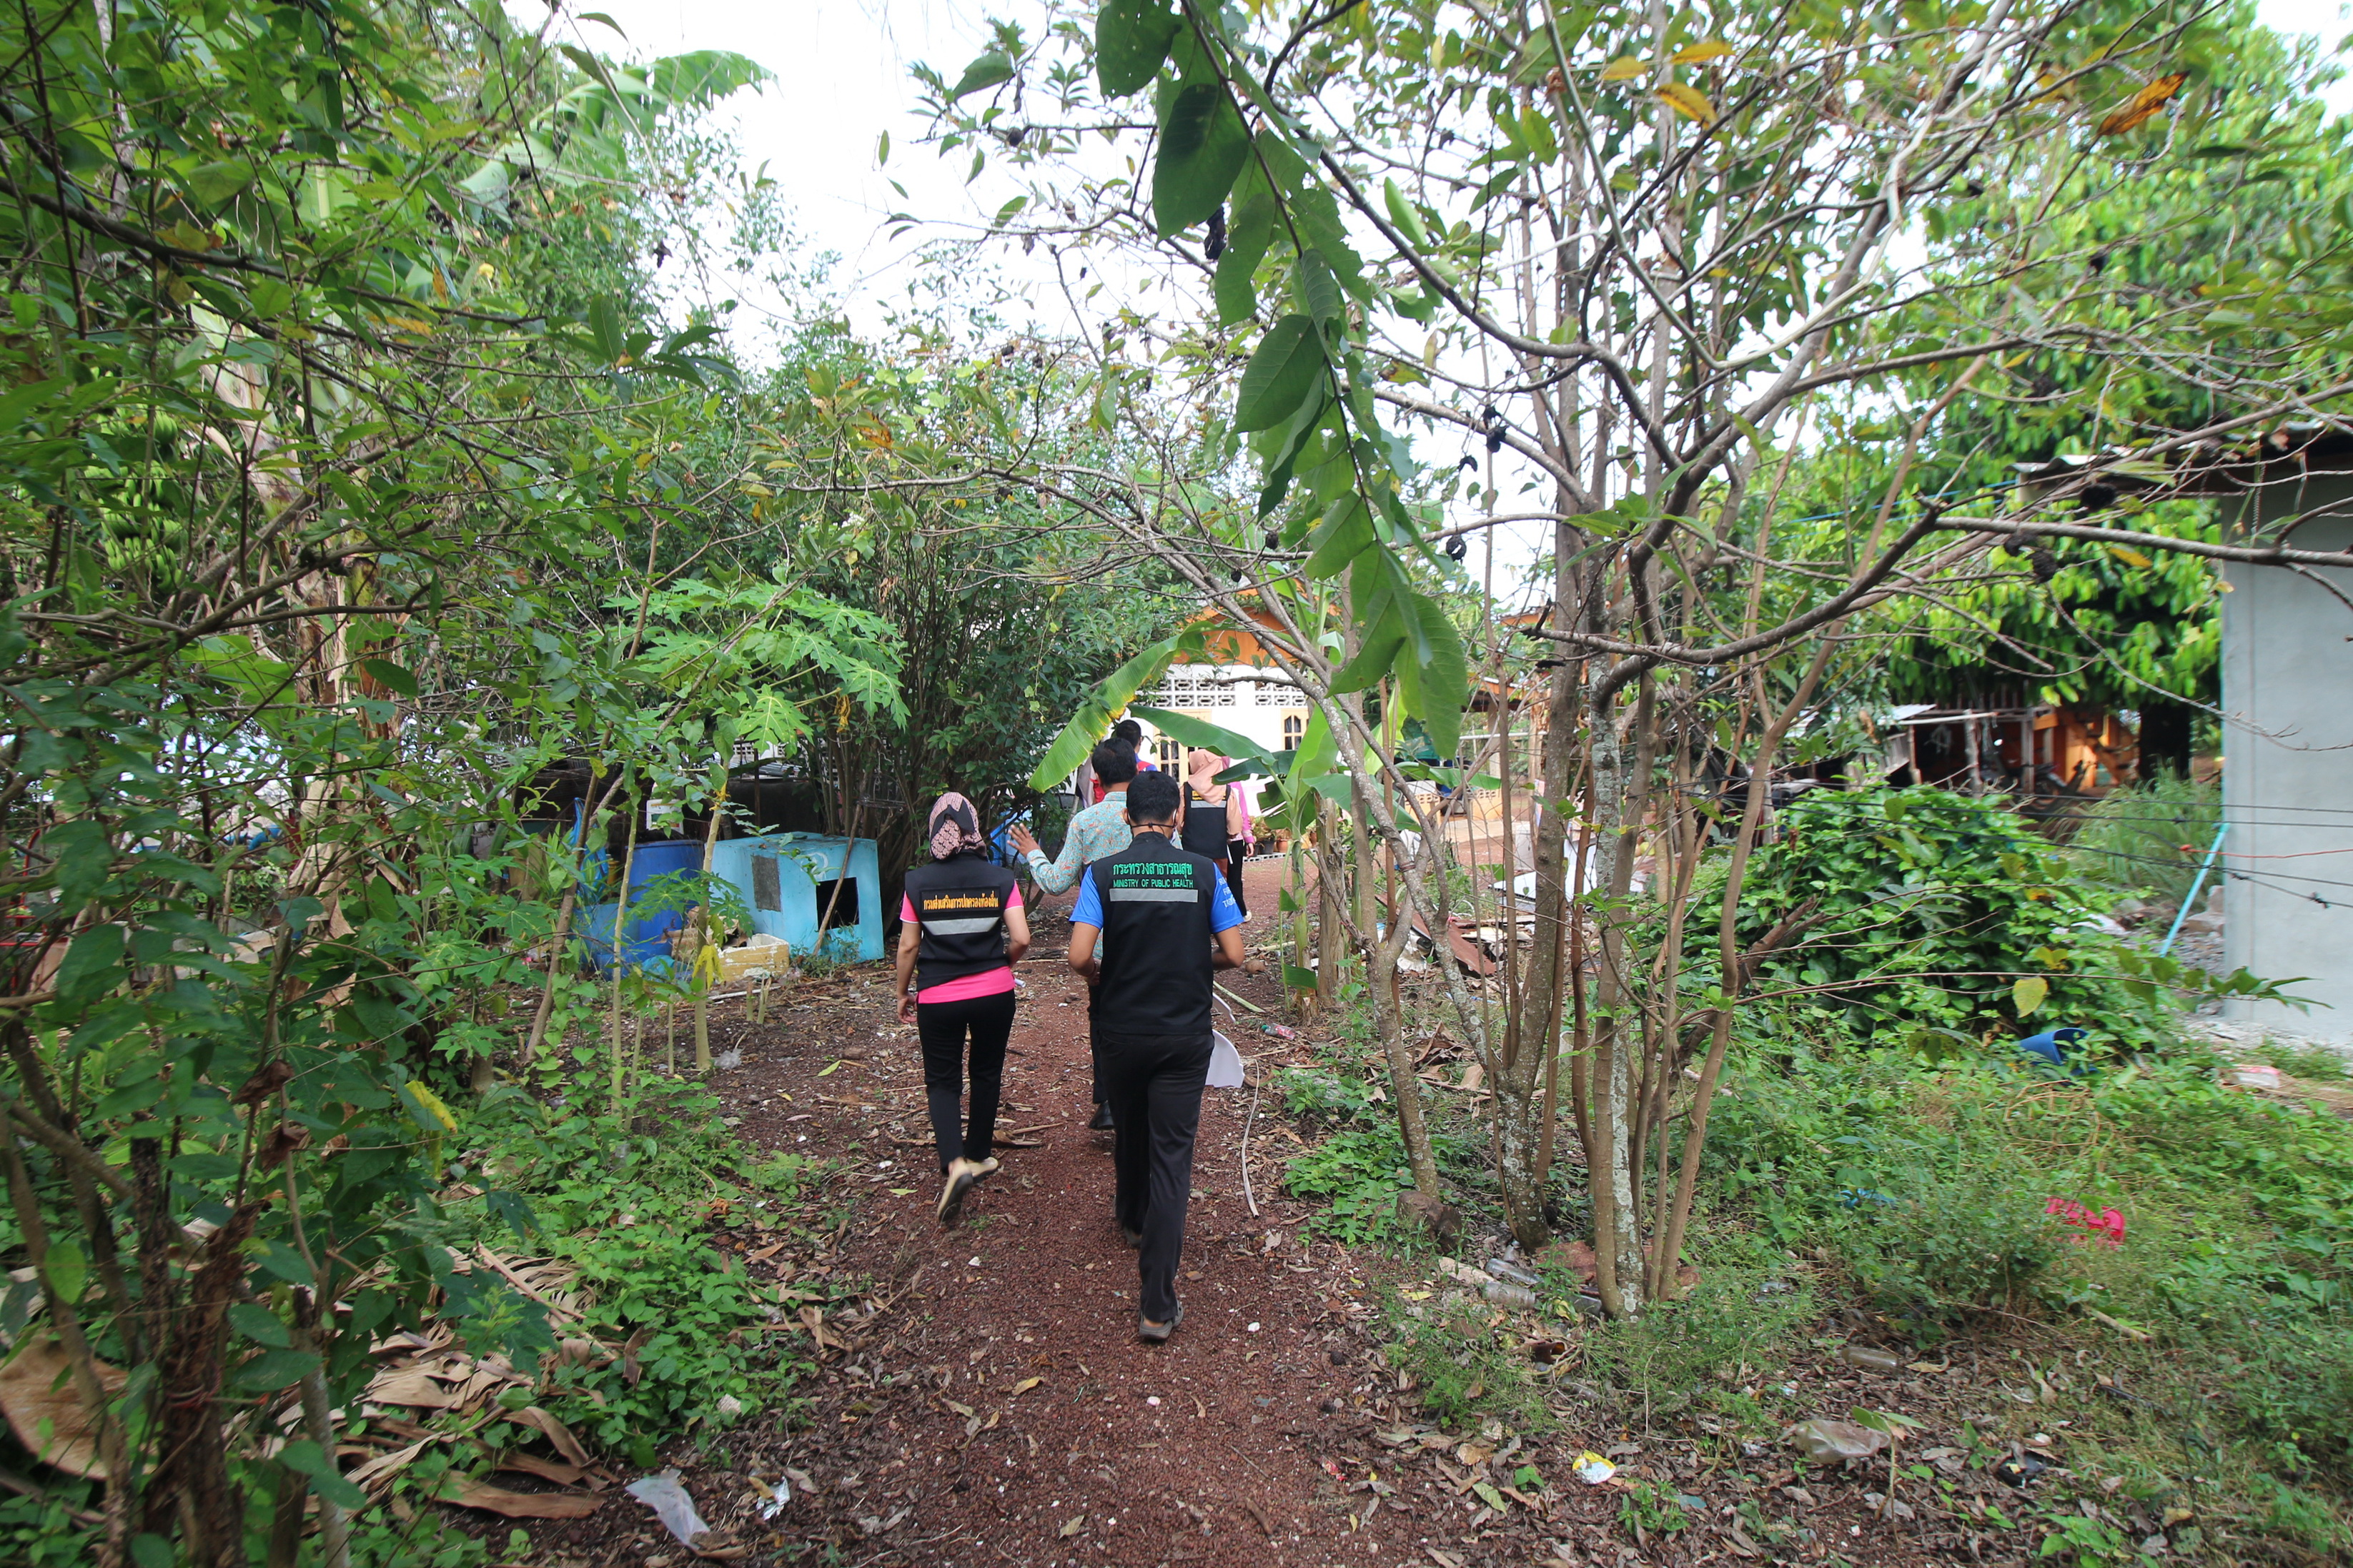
(645, 941)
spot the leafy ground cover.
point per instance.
(2167, 1360)
(659, 1333)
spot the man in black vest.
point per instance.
(1168, 923)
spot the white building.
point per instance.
(1237, 697)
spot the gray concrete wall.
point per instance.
(2287, 771)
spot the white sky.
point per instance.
(841, 69)
(842, 80)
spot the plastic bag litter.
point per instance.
(1827, 1442)
(671, 1505)
(1593, 1469)
(1225, 1062)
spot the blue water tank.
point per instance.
(646, 939)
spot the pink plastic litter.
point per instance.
(2108, 1225)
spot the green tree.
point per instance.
(1639, 249)
(314, 400)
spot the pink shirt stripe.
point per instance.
(987, 982)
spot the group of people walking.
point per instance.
(1157, 866)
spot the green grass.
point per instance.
(1466, 1368)
(2234, 1264)
(1914, 1191)
(2147, 838)
(2316, 1063)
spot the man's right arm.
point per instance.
(1086, 925)
(1056, 876)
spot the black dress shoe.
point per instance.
(1101, 1122)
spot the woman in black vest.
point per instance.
(1216, 823)
(962, 930)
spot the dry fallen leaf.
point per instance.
(471, 1493)
(555, 1432)
(388, 1464)
(1072, 1527)
(562, 1475)
(410, 1385)
(36, 1386)
(1027, 1384)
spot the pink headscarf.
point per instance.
(1201, 767)
(955, 826)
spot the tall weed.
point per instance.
(2147, 838)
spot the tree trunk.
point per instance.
(702, 917)
(1611, 1151)
(1331, 919)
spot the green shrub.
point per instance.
(1930, 905)
(1953, 1244)
(656, 1283)
(1319, 1094)
(1358, 1172)
(2147, 838)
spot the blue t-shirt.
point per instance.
(1224, 913)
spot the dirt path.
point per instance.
(979, 1396)
(1001, 1408)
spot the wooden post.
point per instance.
(2026, 755)
(1977, 772)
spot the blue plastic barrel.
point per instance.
(645, 941)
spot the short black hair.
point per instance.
(1114, 762)
(1153, 797)
(1130, 731)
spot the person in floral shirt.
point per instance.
(1096, 831)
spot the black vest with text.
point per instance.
(1157, 973)
(960, 905)
(1205, 826)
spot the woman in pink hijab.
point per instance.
(961, 931)
(1217, 820)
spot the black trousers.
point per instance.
(944, 1027)
(1236, 854)
(1153, 1082)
